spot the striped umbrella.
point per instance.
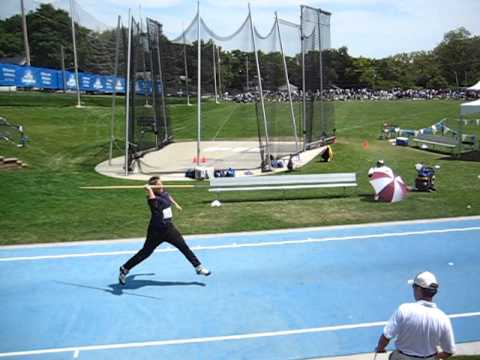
(387, 186)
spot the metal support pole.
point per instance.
(262, 100)
(62, 59)
(127, 85)
(75, 55)
(186, 68)
(162, 89)
(144, 58)
(246, 70)
(292, 114)
(219, 74)
(25, 33)
(320, 62)
(304, 90)
(214, 74)
(114, 92)
(199, 85)
(148, 49)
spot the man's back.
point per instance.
(419, 328)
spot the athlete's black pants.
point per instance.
(155, 237)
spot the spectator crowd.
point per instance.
(359, 94)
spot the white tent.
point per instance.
(285, 88)
(475, 87)
(472, 107)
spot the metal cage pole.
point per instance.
(219, 73)
(162, 88)
(114, 92)
(75, 55)
(246, 71)
(25, 33)
(186, 68)
(304, 92)
(292, 115)
(144, 57)
(148, 49)
(127, 98)
(62, 60)
(320, 62)
(199, 85)
(214, 74)
(262, 100)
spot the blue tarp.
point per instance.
(42, 78)
(33, 77)
(7, 74)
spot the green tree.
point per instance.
(453, 55)
(11, 41)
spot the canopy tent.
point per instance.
(472, 107)
(475, 87)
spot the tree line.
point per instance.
(453, 63)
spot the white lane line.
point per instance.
(76, 354)
(64, 256)
(249, 233)
(247, 245)
(159, 343)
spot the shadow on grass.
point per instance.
(470, 156)
(132, 284)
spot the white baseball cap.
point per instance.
(426, 280)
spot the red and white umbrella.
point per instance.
(387, 186)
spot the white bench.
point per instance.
(282, 182)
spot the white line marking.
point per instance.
(246, 245)
(247, 233)
(64, 256)
(76, 354)
(159, 343)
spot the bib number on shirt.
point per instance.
(167, 213)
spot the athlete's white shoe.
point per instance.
(202, 270)
(122, 275)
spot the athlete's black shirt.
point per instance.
(157, 205)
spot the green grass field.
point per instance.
(43, 203)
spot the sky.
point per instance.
(370, 28)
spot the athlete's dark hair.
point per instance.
(153, 180)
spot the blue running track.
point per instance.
(273, 295)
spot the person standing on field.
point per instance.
(420, 328)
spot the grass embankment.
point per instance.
(44, 203)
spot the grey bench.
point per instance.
(282, 182)
(434, 142)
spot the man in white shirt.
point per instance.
(419, 327)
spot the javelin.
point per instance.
(117, 187)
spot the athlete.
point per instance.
(160, 229)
